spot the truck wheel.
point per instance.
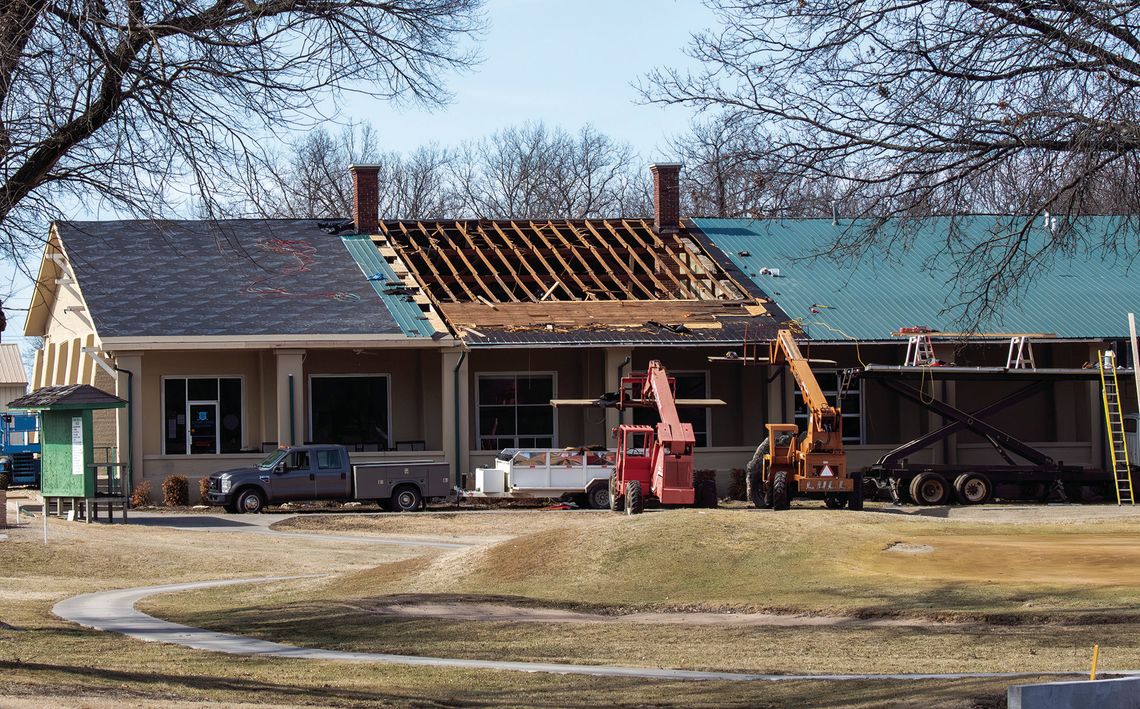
(929, 489)
(779, 494)
(634, 503)
(706, 494)
(835, 502)
(250, 501)
(615, 498)
(973, 488)
(598, 498)
(855, 499)
(406, 498)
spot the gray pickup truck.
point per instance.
(324, 472)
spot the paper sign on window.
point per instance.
(77, 445)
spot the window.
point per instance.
(202, 415)
(328, 460)
(297, 460)
(689, 385)
(852, 405)
(351, 410)
(514, 411)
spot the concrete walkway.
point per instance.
(114, 611)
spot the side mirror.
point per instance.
(279, 468)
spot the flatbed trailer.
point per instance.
(1040, 477)
(583, 474)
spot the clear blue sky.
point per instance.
(566, 63)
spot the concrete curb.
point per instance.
(114, 611)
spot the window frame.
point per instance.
(350, 375)
(514, 374)
(217, 402)
(830, 395)
(708, 395)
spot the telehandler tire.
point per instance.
(779, 494)
(634, 502)
(855, 501)
(616, 500)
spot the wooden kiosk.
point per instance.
(70, 475)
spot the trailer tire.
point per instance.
(634, 502)
(598, 497)
(250, 501)
(973, 489)
(406, 498)
(616, 500)
(706, 494)
(929, 489)
(779, 494)
(855, 501)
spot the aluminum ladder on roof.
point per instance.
(919, 351)
(1114, 420)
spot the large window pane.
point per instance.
(688, 385)
(514, 411)
(229, 407)
(351, 411)
(174, 416)
(202, 389)
(852, 405)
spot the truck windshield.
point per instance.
(272, 459)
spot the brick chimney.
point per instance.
(365, 198)
(666, 196)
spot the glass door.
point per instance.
(203, 418)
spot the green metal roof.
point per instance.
(407, 314)
(1080, 295)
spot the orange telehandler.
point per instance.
(811, 463)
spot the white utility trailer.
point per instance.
(580, 473)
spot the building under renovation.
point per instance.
(448, 339)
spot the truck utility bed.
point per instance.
(543, 472)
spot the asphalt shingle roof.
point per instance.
(1078, 295)
(70, 396)
(230, 277)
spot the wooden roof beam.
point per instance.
(545, 264)
(650, 270)
(442, 250)
(589, 229)
(478, 279)
(590, 271)
(515, 277)
(425, 258)
(542, 284)
(563, 262)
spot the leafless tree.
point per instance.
(909, 109)
(135, 102)
(532, 172)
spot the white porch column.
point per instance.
(614, 358)
(130, 445)
(290, 419)
(1097, 432)
(456, 408)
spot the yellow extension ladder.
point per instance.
(1114, 420)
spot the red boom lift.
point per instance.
(655, 462)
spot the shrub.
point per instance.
(175, 491)
(140, 496)
(203, 489)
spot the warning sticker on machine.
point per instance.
(826, 472)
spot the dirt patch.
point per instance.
(907, 548)
(1053, 559)
(474, 610)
